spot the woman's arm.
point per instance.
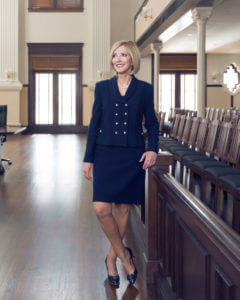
(93, 127)
(151, 122)
(149, 157)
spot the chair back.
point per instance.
(176, 122)
(223, 140)
(186, 131)
(202, 134)
(161, 121)
(3, 115)
(194, 131)
(181, 127)
(211, 136)
(233, 151)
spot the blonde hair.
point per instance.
(133, 51)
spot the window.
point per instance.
(55, 99)
(188, 96)
(44, 98)
(67, 99)
(166, 92)
(177, 89)
(56, 5)
(55, 87)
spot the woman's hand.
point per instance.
(88, 170)
(150, 159)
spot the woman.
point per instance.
(115, 154)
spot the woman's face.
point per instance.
(121, 60)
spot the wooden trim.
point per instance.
(48, 50)
(152, 75)
(178, 62)
(177, 90)
(55, 8)
(55, 48)
(231, 101)
(57, 129)
(214, 85)
(175, 72)
(184, 243)
(55, 99)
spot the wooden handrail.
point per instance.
(184, 248)
(223, 237)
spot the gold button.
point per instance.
(126, 104)
(116, 132)
(125, 114)
(124, 132)
(116, 114)
(125, 123)
(100, 130)
(116, 123)
(116, 104)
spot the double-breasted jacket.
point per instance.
(117, 120)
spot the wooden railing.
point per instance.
(184, 249)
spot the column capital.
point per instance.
(156, 46)
(201, 13)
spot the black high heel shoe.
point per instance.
(114, 280)
(132, 277)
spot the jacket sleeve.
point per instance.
(93, 127)
(151, 122)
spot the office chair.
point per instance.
(3, 123)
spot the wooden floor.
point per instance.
(51, 246)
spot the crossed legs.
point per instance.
(114, 228)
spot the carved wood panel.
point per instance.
(224, 288)
(195, 266)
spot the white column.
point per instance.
(200, 16)
(156, 47)
(9, 44)
(101, 40)
(10, 85)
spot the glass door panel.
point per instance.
(44, 98)
(166, 92)
(188, 95)
(67, 99)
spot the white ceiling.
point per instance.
(222, 32)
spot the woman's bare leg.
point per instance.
(109, 225)
(121, 217)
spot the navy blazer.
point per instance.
(117, 120)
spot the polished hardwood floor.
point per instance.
(51, 246)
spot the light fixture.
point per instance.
(231, 79)
(215, 77)
(100, 74)
(9, 75)
(146, 13)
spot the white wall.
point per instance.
(122, 28)
(145, 72)
(55, 28)
(218, 63)
(217, 96)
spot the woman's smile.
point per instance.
(121, 60)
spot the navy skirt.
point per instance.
(118, 176)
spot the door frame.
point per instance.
(55, 49)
